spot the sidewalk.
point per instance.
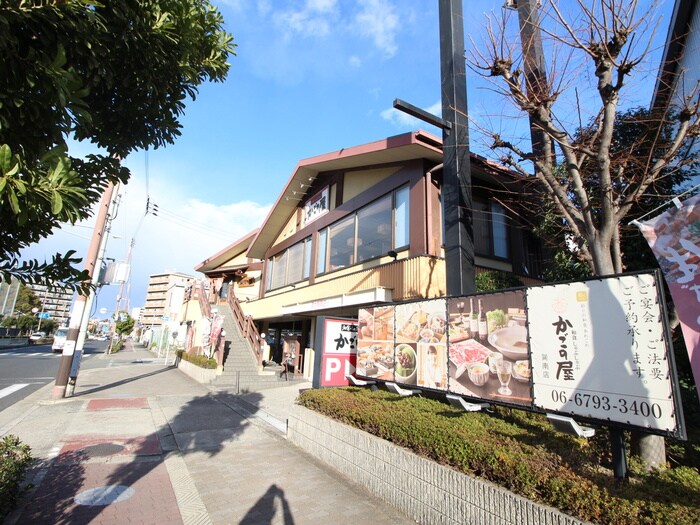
(140, 442)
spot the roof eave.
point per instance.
(416, 144)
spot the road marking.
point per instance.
(12, 389)
(22, 354)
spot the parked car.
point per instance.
(36, 337)
(59, 339)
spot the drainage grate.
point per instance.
(102, 449)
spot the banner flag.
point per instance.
(674, 237)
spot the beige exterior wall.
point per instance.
(249, 292)
(289, 229)
(355, 182)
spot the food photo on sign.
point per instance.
(420, 354)
(375, 353)
(488, 348)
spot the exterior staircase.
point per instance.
(241, 371)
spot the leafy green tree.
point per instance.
(26, 322)
(8, 321)
(26, 300)
(125, 324)
(49, 326)
(116, 74)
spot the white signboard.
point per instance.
(317, 206)
(599, 350)
(340, 336)
(338, 354)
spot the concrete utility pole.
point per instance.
(533, 61)
(457, 182)
(82, 302)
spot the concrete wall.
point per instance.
(425, 491)
(201, 375)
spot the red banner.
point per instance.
(674, 237)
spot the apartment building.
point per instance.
(56, 302)
(164, 297)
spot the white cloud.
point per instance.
(315, 19)
(185, 232)
(378, 19)
(404, 120)
(355, 61)
(322, 6)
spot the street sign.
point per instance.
(44, 315)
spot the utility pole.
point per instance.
(456, 170)
(457, 181)
(534, 66)
(119, 297)
(66, 367)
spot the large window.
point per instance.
(374, 229)
(401, 216)
(371, 232)
(342, 244)
(321, 257)
(279, 270)
(290, 266)
(490, 229)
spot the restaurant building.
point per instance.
(363, 226)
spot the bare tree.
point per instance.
(589, 182)
(604, 38)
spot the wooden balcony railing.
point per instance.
(204, 301)
(246, 326)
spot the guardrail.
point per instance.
(13, 341)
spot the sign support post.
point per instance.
(619, 455)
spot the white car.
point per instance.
(36, 337)
(59, 339)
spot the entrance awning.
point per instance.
(371, 296)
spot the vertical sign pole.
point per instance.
(456, 195)
(619, 455)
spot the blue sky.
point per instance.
(309, 77)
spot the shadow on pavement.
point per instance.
(121, 382)
(264, 510)
(204, 424)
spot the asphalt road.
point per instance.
(26, 369)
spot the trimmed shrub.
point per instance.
(201, 361)
(521, 452)
(15, 458)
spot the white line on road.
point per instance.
(12, 389)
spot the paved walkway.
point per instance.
(140, 442)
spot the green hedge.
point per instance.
(520, 451)
(201, 361)
(15, 458)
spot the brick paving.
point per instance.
(143, 444)
(153, 500)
